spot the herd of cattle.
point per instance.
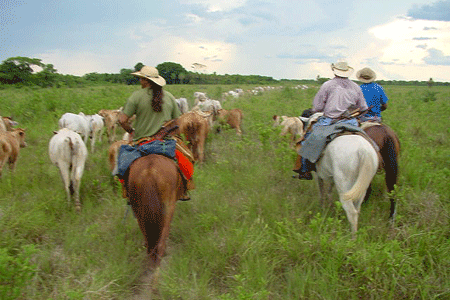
(68, 146)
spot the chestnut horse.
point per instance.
(389, 145)
(154, 184)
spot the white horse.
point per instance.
(349, 162)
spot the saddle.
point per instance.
(162, 143)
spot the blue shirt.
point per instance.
(375, 97)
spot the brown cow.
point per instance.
(195, 129)
(232, 117)
(292, 125)
(10, 144)
(113, 151)
(111, 119)
(7, 124)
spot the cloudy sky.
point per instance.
(293, 39)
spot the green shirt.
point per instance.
(148, 122)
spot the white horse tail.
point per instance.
(367, 169)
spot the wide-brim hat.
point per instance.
(366, 75)
(342, 69)
(150, 73)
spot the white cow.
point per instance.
(209, 105)
(96, 126)
(199, 97)
(76, 123)
(68, 152)
(182, 105)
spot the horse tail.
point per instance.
(366, 171)
(389, 152)
(153, 214)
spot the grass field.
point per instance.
(249, 232)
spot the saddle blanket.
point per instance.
(314, 144)
(128, 154)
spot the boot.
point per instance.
(298, 165)
(304, 175)
(190, 185)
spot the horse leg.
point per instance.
(169, 211)
(325, 188)
(391, 171)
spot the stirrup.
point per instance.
(304, 176)
(185, 197)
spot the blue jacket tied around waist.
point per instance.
(128, 154)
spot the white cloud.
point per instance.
(217, 5)
(79, 63)
(405, 35)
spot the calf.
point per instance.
(195, 128)
(291, 125)
(76, 123)
(232, 117)
(111, 119)
(68, 152)
(113, 152)
(10, 144)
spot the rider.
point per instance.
(153, 107)
(334, 98)
(373, 92)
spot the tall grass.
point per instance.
(250, 230)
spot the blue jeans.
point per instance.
(308, 166)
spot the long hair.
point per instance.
(157, 99)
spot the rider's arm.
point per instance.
(123, 121)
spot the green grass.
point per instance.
(250, 230)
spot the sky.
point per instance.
(283, 39)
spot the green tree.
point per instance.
(47, 77)
(126, 76)
(18, 70)
(171, 72)
(138, 66)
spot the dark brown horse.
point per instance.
(154, 185)
(389, 144)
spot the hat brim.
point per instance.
(344, 74)
(158, 80)
(365, 80)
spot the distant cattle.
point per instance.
(96, 126)
(195, 129)
(111, 119)
(182, 105)
(232, 117)
(76, 123)
(69, 153)
(10, 144)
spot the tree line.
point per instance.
(25, 71)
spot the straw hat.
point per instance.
(366, 75)
(150, 73)
(342, 69)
